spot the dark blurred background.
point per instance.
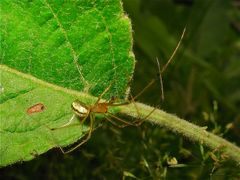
(202, 85)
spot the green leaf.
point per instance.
(82, 45)
(23, 135)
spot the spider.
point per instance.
(84, 111)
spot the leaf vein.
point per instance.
(74, 54)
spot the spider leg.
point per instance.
(69, 121)
(136, 122)
(115, 124)
(144, 89)
(54, 139)
(160, 79)
(92, 119)
(174, 52)
(132, 98)
(125, 123)
(66, 126)
(104, 92)
(140, 121)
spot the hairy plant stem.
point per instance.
(183, 128)
(159, 117)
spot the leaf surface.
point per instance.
(81, 45)
(23, 135)
(48, 50)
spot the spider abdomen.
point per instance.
(100, 108)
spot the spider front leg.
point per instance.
(69, 121)
(88, 136)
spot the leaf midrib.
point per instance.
(44, 83)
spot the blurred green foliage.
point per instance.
(201, 85)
